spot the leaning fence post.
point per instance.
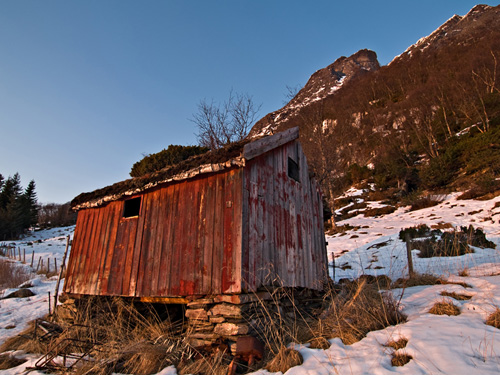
(32, 258)
(408, 253)
(63, 265)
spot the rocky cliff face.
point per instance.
(323, 83)
(398, 123)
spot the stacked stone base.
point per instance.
(231, 316)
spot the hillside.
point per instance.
(365, 245)
(429, 120)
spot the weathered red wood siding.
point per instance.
(185, 241)
(283, 237)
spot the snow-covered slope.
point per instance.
(438, 344)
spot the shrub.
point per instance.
(425, 202)
(418, 231)
(12, 274)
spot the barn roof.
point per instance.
(233, 155)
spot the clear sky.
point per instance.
(88, 87)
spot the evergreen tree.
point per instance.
(18, 208)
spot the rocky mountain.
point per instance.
(323, 83)
(428, 120)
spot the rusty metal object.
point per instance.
(249, 349)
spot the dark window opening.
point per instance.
(293, 170)
(132, 207)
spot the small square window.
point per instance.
(132, 207)
(293, 170)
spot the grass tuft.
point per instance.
(494, 319)
(357, 309)
(399, 344)
(400, 359)
(444, 308)
(284, 360)
(457, 296)
(8, 361)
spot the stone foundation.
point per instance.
(231, 316)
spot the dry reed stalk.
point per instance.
(358, 309)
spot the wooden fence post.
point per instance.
(24, 255)
(408, 253)
(32, 258)
(63, 266)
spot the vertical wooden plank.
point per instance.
(137, 251)
(113, 213)
(80, 271)
(228, 221)
(237, 231)
(154, 259)
(142, 277)
(198, 231)
(106, 272)
(177, 239)
(253, 235)
(186, 248)
(99, 250)
(208, 232)
(245, 224)
(166, 244)
(218, 234)
(90, 264)
(76, 250)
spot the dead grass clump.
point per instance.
(425, 202)
(399, 344)
(130, 338)
(494, 319)
(12, 274)
(357, 309)
(457, 296)
(444, 308)
(417, 279)
(9, 361)
(26, 341)
(284, 360)
(386, 210)
(319, 343)
(400, 359)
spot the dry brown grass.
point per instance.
(26, 341)
(494, 319)
(399, 344)
(357, 309)
(457, 296)
(12, 274)
(444, 308)
(8, 361)
(425, 279)
(319, 343)
(284, 360)
(400, 359)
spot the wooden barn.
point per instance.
(227, 222)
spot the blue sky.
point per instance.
(88, 87)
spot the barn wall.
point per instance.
(185, 241)
(283, 238)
